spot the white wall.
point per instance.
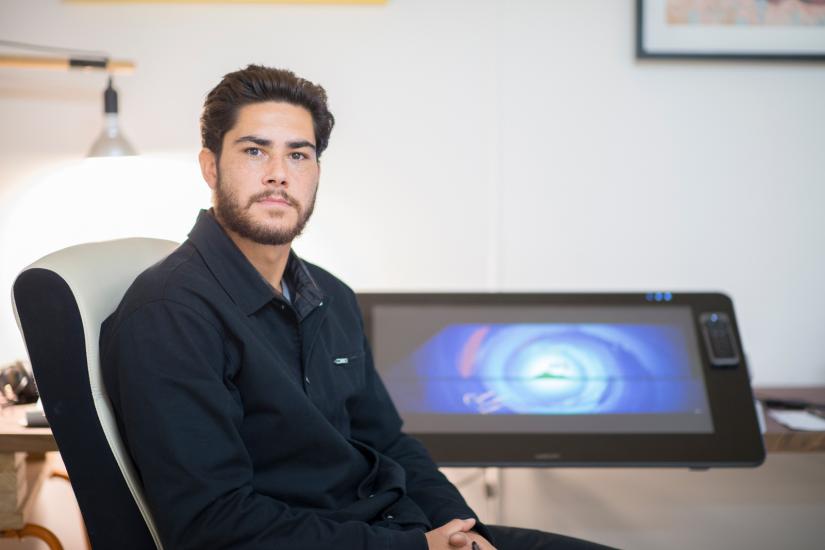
(481, 144)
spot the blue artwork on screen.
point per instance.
(545, 369)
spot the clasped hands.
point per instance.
(457, 533)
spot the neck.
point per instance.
(268, 259)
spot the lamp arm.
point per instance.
(66, 63)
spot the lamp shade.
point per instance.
(111, 141)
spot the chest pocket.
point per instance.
(348, 369)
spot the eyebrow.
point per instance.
(256, 140)
(299, 144)
(263, 142)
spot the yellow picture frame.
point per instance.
(331, 2)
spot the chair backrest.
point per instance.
(60, 302)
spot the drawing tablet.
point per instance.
(650, 379)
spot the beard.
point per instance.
(236, 216)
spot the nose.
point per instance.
(276, 172)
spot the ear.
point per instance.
(209, 167)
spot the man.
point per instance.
(221, 364)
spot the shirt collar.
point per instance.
(239, 278)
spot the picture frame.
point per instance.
(731, 29)
(248, 2)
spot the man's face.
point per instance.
(264, 183)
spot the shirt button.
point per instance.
(283, 307)
(306, 379)
(389, 516)
(371, 496)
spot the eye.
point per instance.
(253, 151)
(297, 155)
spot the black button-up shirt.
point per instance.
(260, 423)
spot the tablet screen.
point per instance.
(542, 369)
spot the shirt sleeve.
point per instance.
(164, 369)
(376, 421)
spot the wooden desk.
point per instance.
(24, 466)
(778, 438)
(14, 437)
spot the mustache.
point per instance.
(273, 194)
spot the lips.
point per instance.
(273, 199)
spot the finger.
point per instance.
(459, 540)
(459, 525)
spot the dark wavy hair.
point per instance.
(255, 84)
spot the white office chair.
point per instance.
(60, 302)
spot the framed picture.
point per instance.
(731, 29)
